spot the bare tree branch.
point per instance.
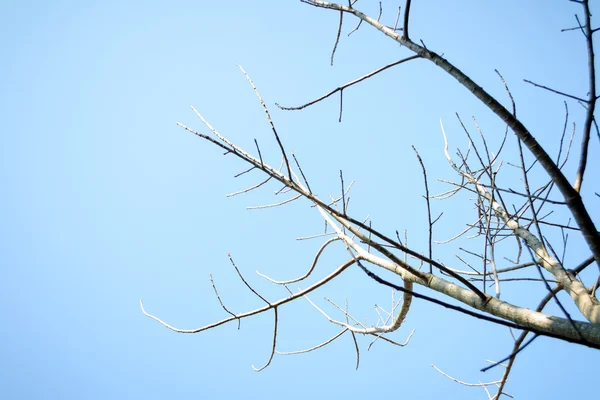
(340, 88)
(337, 38)
(502, 212)
(591, 103)
(572, 197)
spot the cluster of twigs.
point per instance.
(503, 213)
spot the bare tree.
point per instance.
(512, 223)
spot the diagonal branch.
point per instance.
(262, 103)
(354, 82)
(555, 91)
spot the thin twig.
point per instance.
(219, 298)
(275, 204)
(287, 163)
(591, 103)
(325, 343)
(337, 38)
(250, 188)
(274, 344)
(464, 383)
(397, 18)
(310, 270)
(301, 173)
(556, 91)
(256, 311)
(343, 194)
(245, 282)
(428, 206)
(362, 78)
(353, 337)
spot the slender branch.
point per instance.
(258, 150)
(325, 343)
(430, 254)
(343, 193)
(353, 337)
(591, 103)
(406, 15)
(310, 270)
(275, 204)
(511, 191)
(301, 172)
(397, 18)
(468, 228)
(337, 38)
(340, 88)
(500, 271)
(261, 310)
(355, 29)
(464, 383)
(274, 344)
(555, 91)
(262, 103)
(246, 282)
(219, 298)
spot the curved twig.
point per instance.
(262, 103)
(310, 270)
(325, 343)
(572, 197)
(274, 345)
(293, 297)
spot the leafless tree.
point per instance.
(511, 223)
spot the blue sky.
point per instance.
(107, 201)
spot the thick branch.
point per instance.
(571, 196)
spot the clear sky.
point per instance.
(105, 201)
